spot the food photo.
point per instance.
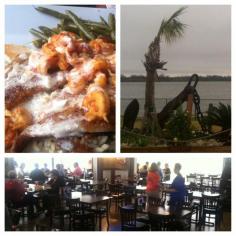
(59, 79)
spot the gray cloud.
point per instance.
(204, 49)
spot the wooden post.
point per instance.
(190, 105)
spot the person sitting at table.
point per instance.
(56, 182)
(167, 172)
(52, 196)
(153, 183)
(37, 174)
(77, 171)
(45, 169)
(21, 172)
(143, 171)
(15, 193)
(177, 190)
(60, 170)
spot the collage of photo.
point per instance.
(88, 131)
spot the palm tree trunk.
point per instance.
(151, 62)
(149, 106)
(150, 122)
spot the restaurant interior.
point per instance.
(118, 194)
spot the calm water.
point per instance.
(210, 92)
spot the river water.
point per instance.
(210, 92)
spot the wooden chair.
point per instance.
(162, 222)
(205, 184)
(211, 209)
(80, 218)
(101, 210)
(215, 184)
(58, 210)
(84, 221)
(116, 192)
(129, 194)
(129, 221)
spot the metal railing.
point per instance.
(161, 102)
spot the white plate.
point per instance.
(20, 18)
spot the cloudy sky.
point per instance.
(204, 49)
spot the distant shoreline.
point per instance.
(209, 78)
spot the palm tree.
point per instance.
(170, 30)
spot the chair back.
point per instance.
(191, 179)
(85, 222)
(127, 217)
(210, 202)
(115, 189)
(74, 205)
(216, 182)
(85, 187)
(205, 183)
(188, 198)
(129, 191)
(161, 222)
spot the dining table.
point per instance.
(141, 188)
(199, 194)
(166, 212)
(32, 188)
(93, 199)
(93, 182)
(168, 183)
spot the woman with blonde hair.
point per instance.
(153, 183)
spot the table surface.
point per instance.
(165, 211)
(92, 182)
(198, 194)
(37, 187)
(141, 188)
(169, 182)
(89, 199)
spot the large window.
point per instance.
(200, 165)
(51, 162)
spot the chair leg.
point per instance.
(107, 215)
(100, 222)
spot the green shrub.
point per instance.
(178, 127)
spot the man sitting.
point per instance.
(15, 193)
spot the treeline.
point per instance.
(162, 78)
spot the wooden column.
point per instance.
(190, 105)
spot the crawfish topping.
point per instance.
(97, 104)
(67, 80)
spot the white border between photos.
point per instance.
(118, 154)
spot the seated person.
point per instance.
(143, 171)
(177, 190)
(15, 193)
(21, 172)
(167, 172)
(51, 199)
(38, 175)
(77, 171)
(56, 182)
(45, 169)
(60, 169)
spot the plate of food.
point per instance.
(60, 87)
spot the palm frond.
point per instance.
(220, 115)
(177, 13)
(172, 29)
